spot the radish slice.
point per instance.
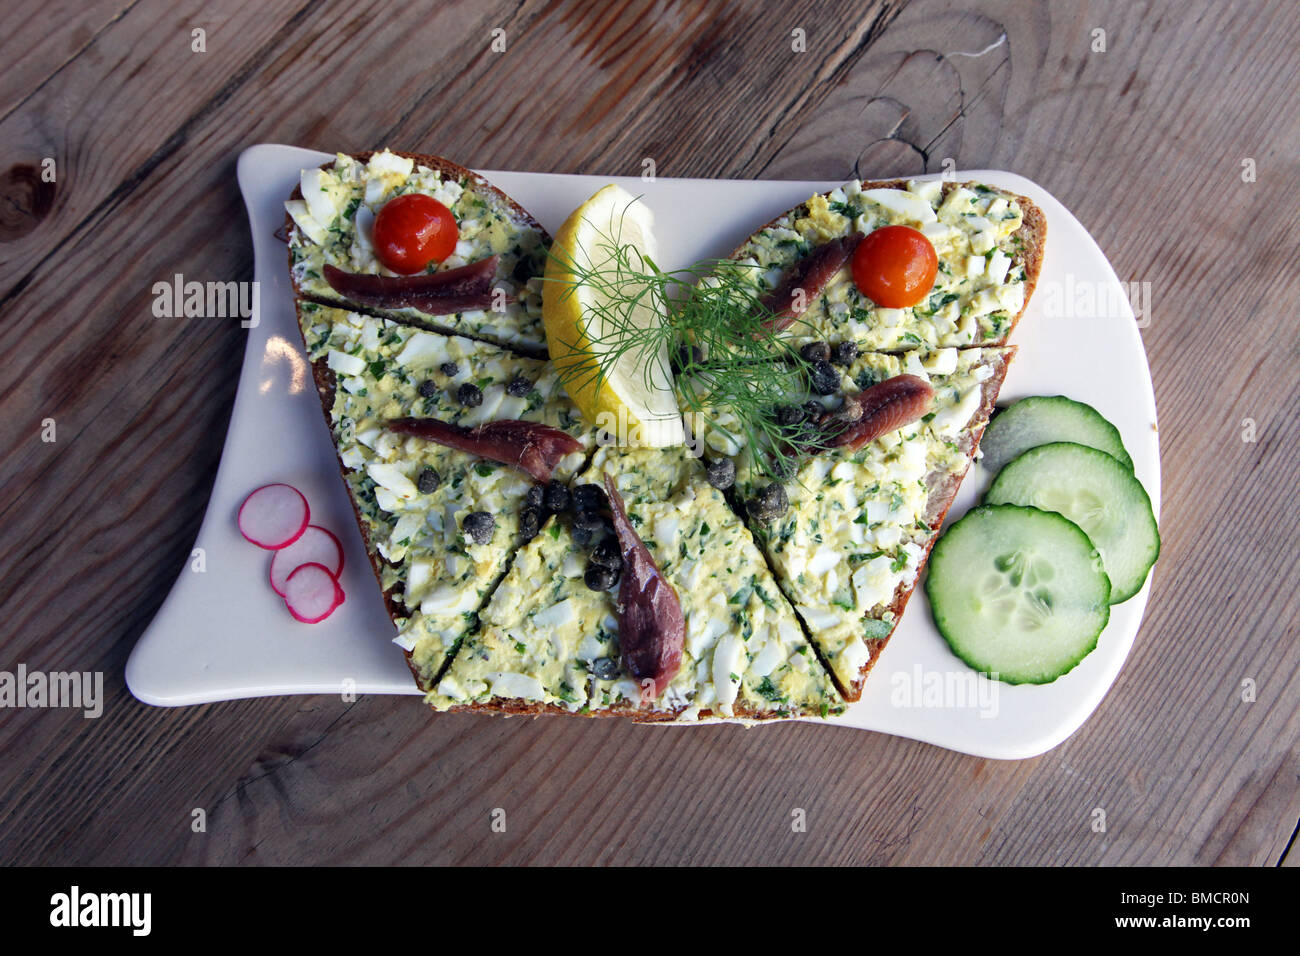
(315, 546)
(274, 516)
(312, 593)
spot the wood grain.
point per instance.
(1144, 142)
(37, 45)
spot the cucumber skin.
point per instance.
(945, 628)
(1117, 596)
(1026, 406)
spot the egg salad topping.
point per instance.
(858, 522)
(546, 637)
(415, 519)
(979, 287)
(333, 224)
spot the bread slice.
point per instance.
(989, 244)
(509, 626)
(859, 525)
(331, 212)
(548, 643)
(435, 578)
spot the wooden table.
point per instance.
(1175, 145)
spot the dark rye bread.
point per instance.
(1033, 236)
(326, 384)
(324, 377)
(655, 714)
(450, 170)
(641, 715)
(1032, 233)
(942, 490)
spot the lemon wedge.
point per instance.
(596, 315)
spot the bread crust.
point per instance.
(940, 500)
(1032, 232)
(324, 377)
(514, 707)
(326, 383)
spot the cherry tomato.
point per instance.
(895, 266)
(412, 231)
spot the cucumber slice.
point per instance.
(1031, 422)
(1098, 494)
(1018, 593)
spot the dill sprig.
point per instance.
(733, 370)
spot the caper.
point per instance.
(519, 387)
(479, 525)
(816, 352)
(530, 522)
(428, 481)
(770, 503)
(600, 579)
(469, 395)
(687, 356)
(589, 521)
(588, 497)
(846, 353)
(824, 379)
(721, 473)
(556, 496)
(607, 555)
(787, 415)
(604, 668)
(533, 498)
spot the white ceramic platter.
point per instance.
(223, 634)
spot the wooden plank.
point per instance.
(1140, 141)
(1083, 85)
(41, 39)
(618, 105)
(123, 72)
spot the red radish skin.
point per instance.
(316, 546)
(312, 593)
(274, 516)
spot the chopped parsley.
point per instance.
(767, 689)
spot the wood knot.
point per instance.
(25, 199)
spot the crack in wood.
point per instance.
(242, 786)
(165, 151)
(874, 31)
(963, 110)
